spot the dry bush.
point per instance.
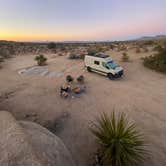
(145, 49)
(5, 53)
(60, 54)
(82, 56)
(1, 59)
(156, 48)
(92, 51)
(73, 56)
(125, 57)
(138, 50)
(52, 45)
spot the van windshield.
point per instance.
(112, 64)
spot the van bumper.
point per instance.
(119, 74)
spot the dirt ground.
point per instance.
(141, 94)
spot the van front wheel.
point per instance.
(89, 69)
(110, 76)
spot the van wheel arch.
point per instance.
(110, 76)
(89, 69)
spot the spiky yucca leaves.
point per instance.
(121, 144)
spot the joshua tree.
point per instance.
(121, 144)
(41, 60)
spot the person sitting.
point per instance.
(64, 91)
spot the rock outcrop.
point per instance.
(28, 144)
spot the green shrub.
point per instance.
(158, 61)
(157, 48)
(1, 59)
(41, 60)
(4, 52)
(100, 49)
(121, 144)
(125, 57)
(149, 43)
(51, 45)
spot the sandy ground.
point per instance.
(141, 94)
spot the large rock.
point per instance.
(29, 144)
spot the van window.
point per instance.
(96, 62)
(104, 64)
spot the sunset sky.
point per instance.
(63, 20)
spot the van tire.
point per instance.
(89, 69)
(110, 76)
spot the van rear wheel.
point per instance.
(110, 76)
(89, 69)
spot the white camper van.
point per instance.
(103, 64)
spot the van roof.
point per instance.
(99, 55)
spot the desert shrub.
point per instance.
(123, 48)
(1, 59)
(158, 61)
(99, 49)
(60, 54)
(145, 49)
(51, 45)
(82, 56)
(73, 56)
(138, 50)
(41, 60)
(157, 48)
(92, 51)
(121, 144)
(76, 55)
(112, 46)
(4, 52)
(125, 57)
(149, 42)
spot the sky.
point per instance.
(80, 20)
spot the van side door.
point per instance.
(104, 68)
(96, 65)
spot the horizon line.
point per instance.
(99, 40)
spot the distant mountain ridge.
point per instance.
(152, 37)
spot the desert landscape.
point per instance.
(32, 93)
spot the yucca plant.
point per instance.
(41, 60)
(121, 144)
